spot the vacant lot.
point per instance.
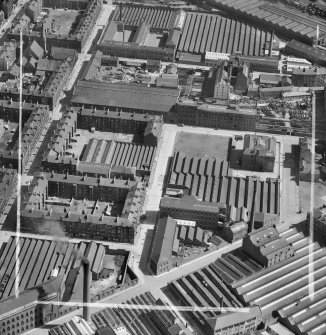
(63, 20)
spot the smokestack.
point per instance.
(86, 286)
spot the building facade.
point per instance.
(206, 214)
(258, 153)
(214, 116)
(267, 247)
(313, 77)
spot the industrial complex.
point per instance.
(162, 167)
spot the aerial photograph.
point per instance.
(163, 167)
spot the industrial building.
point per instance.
(268, 15)
(87, 207)
(258, 153)
(207, 215)
(208, 179)
(124, 97)
(113, 154)
(169, 235)
(208, 287)
(75, 326)
(312, 77)
(70, 4)
(267, 247)
(318, 219)
(312, 54)
(283, 289)
(193, 113)
(103, 157)
(204, 32)
(50, 271)
(140, 40)
(141, 319)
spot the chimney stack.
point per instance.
(86, 289)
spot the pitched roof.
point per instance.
(35, 50)
(163, 239)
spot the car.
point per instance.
(180, 125)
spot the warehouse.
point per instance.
(284, 288)
(213, 33)
(123, 154)
(208, 179)
(49, 270)
(124, 97)
(287, 23)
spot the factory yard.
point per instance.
(202, 144)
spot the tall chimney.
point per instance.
(86, 286)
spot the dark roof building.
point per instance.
(267, 247)
(34, 50)
(258, 153)
(302, 50)
(75, 326)
(160, 260)
(146, 321)
(63, 53)
(49, 270)
(208, 179)
(125, 97)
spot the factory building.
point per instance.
(267, 247)
(213, 33)
(50, 272)
(312, 54)
(318, 218)
(208, 179)
(258, 153)
(207, 215)
(214, 116)
(124, 97)
(146, 321)
(312, 77)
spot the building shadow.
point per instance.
(146, 251)
(37, 160)
(235, 159)
(291, 161)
